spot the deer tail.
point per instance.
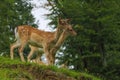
(16, 33)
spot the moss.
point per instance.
(10, 74)
(17, 70)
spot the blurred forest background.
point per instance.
(95, 49)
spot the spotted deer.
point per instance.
(26, 34)
(68, 31)
(61, 24)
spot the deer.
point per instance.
(61, 23)
(68, 31)
(26, 34)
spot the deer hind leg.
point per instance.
(12, 47)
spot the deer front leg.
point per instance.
(52, 54)
(47, 57)
(51, 59)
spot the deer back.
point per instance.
(33, 36)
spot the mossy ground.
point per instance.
(17, 70)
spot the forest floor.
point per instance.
(17, 70)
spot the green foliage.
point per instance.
(12, 14)
(98, 33)
(8, 74)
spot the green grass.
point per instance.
(9, 74)
(15, 69)
(71, 73)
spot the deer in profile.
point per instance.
(26, 34)
(57, 33)
(68, 31)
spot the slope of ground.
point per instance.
(17, 70)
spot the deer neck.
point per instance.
(58, 33)
(61, 39)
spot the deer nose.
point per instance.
(74, 33)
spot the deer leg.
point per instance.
(51, 59)
(12, 47)
(30, 55)
(21, 52)
(52, 54)
(48, 58)
(32, 51)
(46, 50)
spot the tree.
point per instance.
(97, 24)
(13, 13)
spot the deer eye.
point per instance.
(70, 30)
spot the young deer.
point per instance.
(28, 35)
(68, 31)
(57, 33)
(53, 49)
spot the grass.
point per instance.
(71, 73)
(9, 74)
(15, 69)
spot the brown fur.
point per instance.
(67, 31)
(37, 38)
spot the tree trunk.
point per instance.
(103, 54)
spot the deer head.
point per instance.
(66, 26)
(69, 30)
